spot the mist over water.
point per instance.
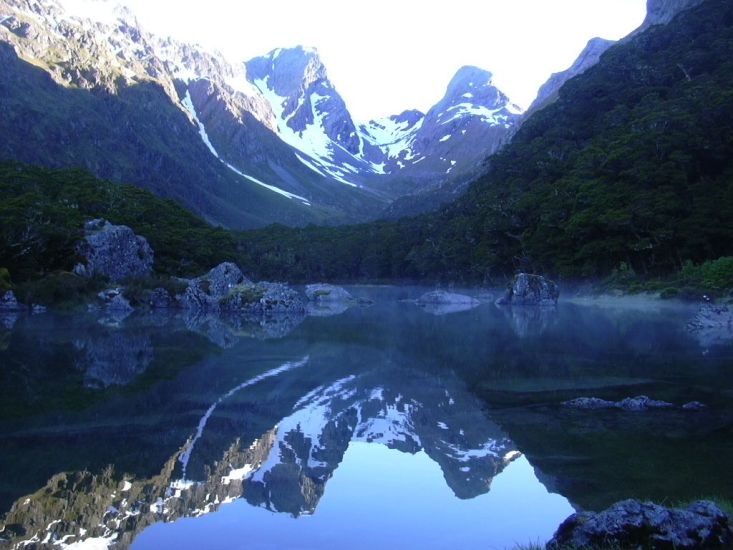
(384, 423)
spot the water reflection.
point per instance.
(108, 429)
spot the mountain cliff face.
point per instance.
(659, 12)
(590, 56)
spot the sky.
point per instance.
(385, 56)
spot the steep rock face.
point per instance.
(590, 55)
(311, 115)
(661, 12)
(113, 251)
(107, 96)
(470, 122)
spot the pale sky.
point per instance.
(385, 56)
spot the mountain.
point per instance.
(590, 55)
(629, 169)
(659, 12)
(243, 145)
(166, 116)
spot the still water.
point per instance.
(385, 425)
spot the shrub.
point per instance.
(714, 275)
(62, 289)
(5, 282)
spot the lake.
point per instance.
(384, 425)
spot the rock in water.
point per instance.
(225, 288)
(443, 297)
(320, 292)
(113, 251)
(440, 302)
(634, 524)
(8, 302)
(638, 403)
(530, 290)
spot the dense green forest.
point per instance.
(42, 215)
(630, 167)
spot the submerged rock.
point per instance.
(632, 524)
(638, 403)
(8, 302)
(321, 292)
(713, 324)
(113, 251)
(530, 290)
(440, 302)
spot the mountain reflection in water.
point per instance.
(353, 417)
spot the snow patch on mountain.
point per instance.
(188, 104)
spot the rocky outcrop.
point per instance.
(226, 289)
(114, 252)
(321, 293)
(634, 524)
(263, 299)
(639, 403)
(530, 290)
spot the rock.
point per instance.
(589, 403)
(530, 290)
(440, 302)
(632, 524)
(8, 302)
(160, 298)
(443, 297)
(113, 300)
(113, 251)
(639, 403)
(712, 325)
(694, 406)
(263, 299)
(207, 292)
(327, 293)
(711, 316)
(17, 27)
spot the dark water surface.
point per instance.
(387, 425)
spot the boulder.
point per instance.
(113, 251)
(321, 292)
(263, 299)
(530, 290)
(8, 302)
(207, 292)
(113, 300)
(634, 524)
